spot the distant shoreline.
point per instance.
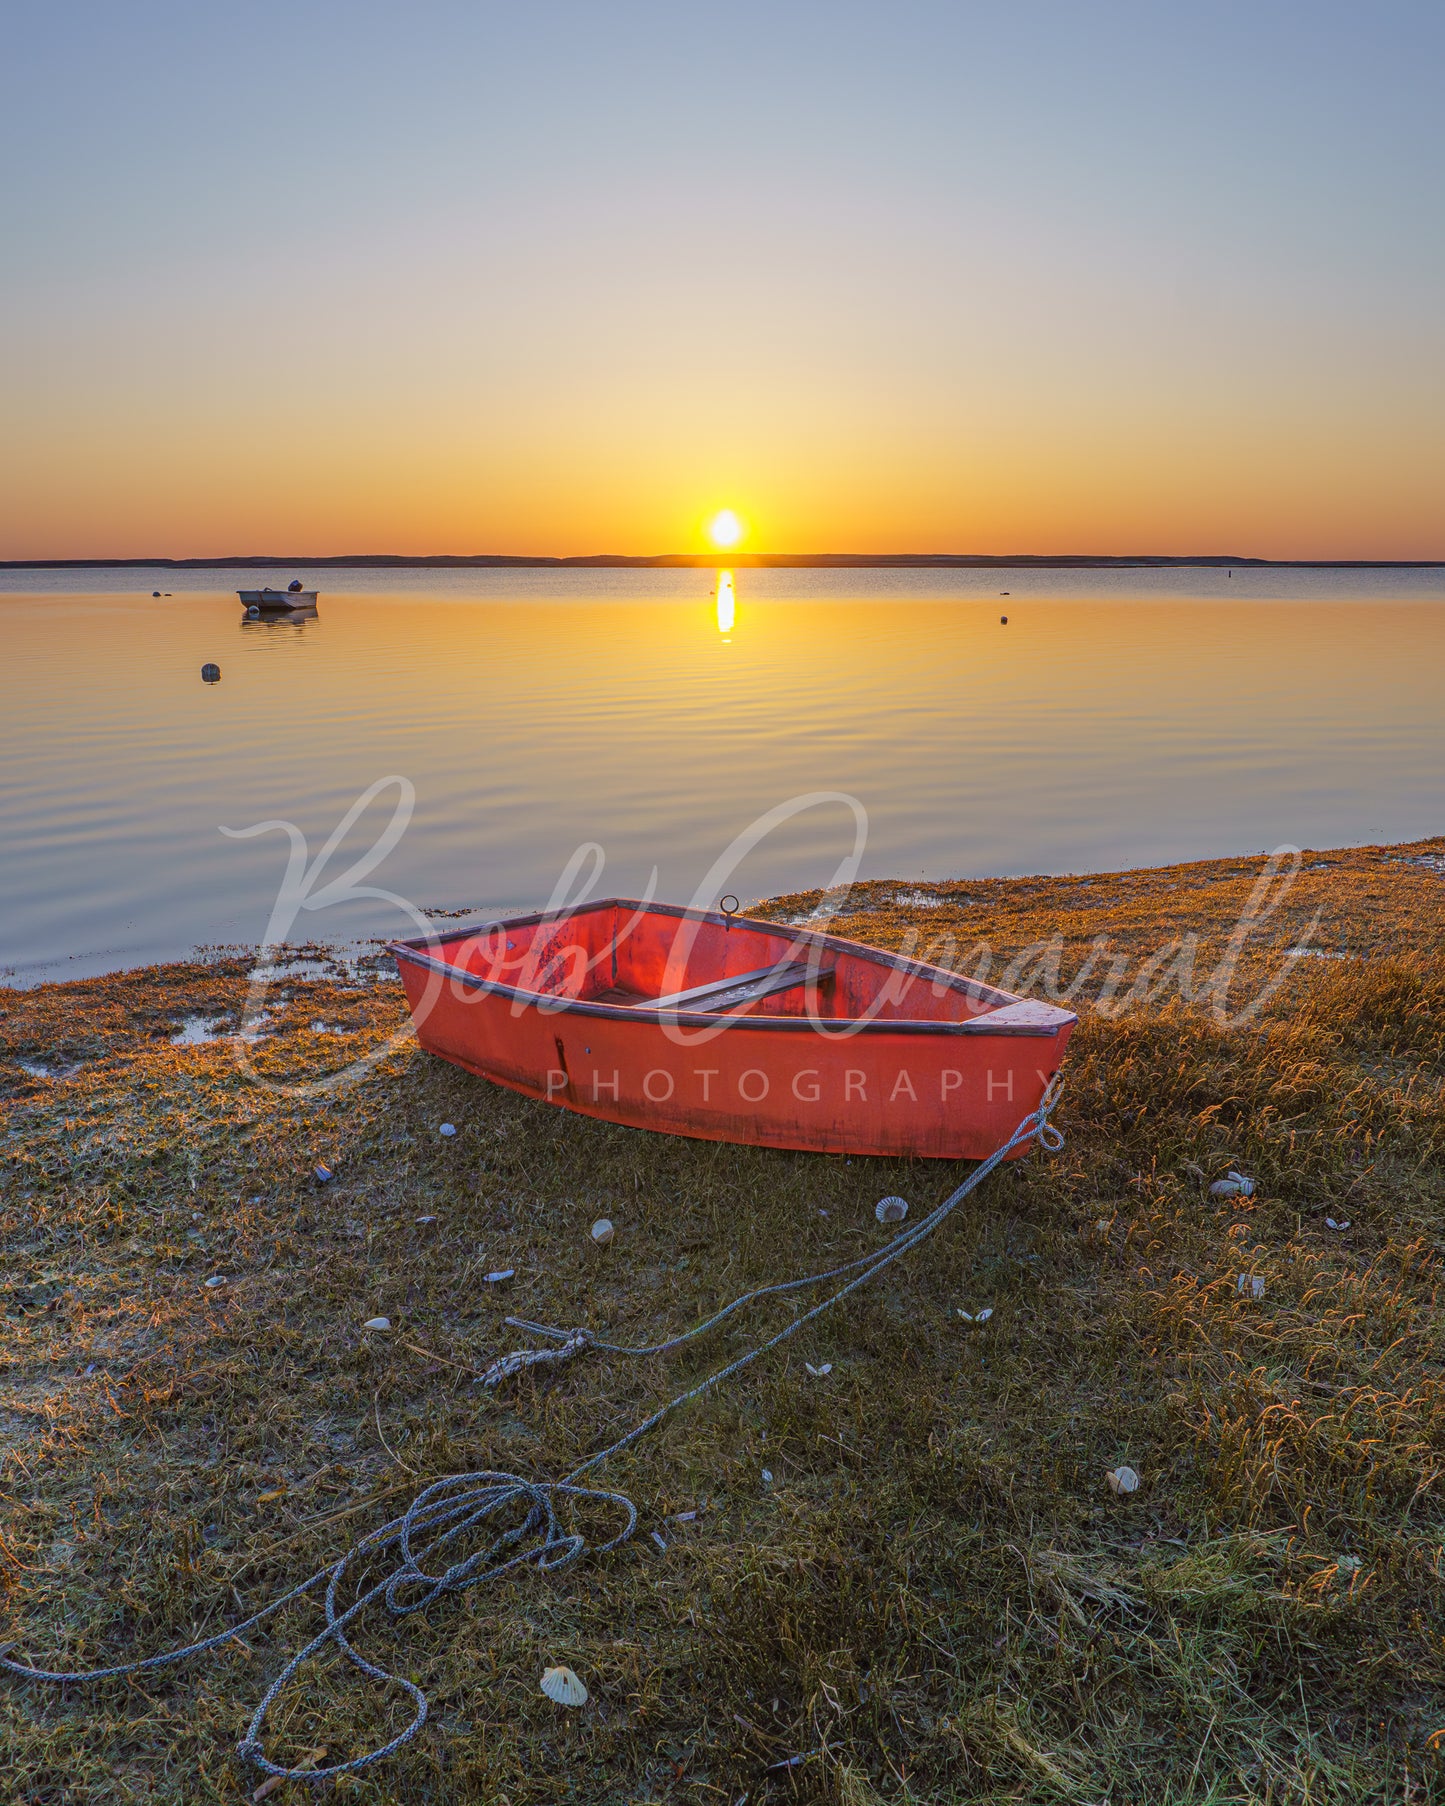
(734, 560)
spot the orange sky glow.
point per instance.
(573, 284)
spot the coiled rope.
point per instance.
(448, 1510)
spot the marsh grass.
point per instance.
(937, 1598)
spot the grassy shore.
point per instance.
(937, 1598)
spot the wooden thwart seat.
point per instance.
(725, 994)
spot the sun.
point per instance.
(724, 529)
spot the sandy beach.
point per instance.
(937, 1582)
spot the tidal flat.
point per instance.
(936, 1596)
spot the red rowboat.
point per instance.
(733, 1030)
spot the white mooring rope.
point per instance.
(447, 1510)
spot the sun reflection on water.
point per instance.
(726, 602)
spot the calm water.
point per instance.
(1119, 718)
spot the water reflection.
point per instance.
(293, 617)
(726, 602)
(1121, 718)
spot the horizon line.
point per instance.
(735, 560)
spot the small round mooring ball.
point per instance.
(210, 674)
(155, 592)
(1003, 620)
(253, 612)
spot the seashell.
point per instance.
(976, 1316)
(767, 1477)
(377, 1323)
(1250, 1283)
(1330, 1223)
(657, 1537)
(818, 1372)
(1232, 1185)
(602, 1232)
(1102, 1226)
(426, 1219)
(563, 1686)
(891, 1210)
(325, 1174)
(216, 1279)
(495, 1279)
(1123, 1480)
(684, 1517)
(448, 1129)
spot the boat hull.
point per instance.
(278, 600)
(930, 1087)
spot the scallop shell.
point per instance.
(1232, 1185)
(819, 1373)
(216, 1279)
(891, 1210)
(563, 1686)
(448, 1129)
(1123, 1480)
(324, 1174)
(602, 1232)
(377, 1323)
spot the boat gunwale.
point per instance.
(878, 956)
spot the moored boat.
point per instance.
(277, 600)
(716, 1026)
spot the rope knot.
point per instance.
(505, 1366)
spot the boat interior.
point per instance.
(631, 956)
